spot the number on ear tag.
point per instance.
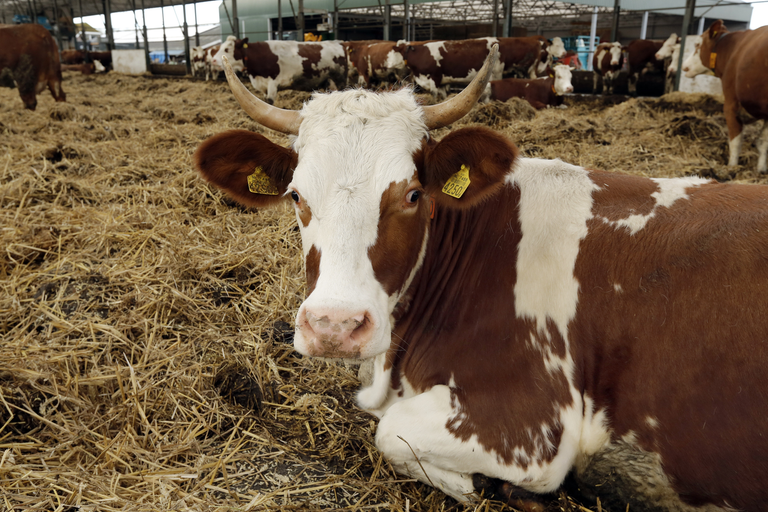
(259, 183)
(458, 183)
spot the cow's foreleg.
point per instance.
(632, 83)
(413, 437)
(271, 92)
(735, 135)
(762, 149)
(595, 81)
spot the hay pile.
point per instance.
(145, 361)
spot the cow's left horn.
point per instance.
(278, 119)
(443, 114)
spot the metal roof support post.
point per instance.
(186, 38)
(494, 28)
(197, 29)
(32, 11)
(615, 27)
(280, 20)
(82, 32)
(387, 21)
(146, 38)
(107, 5)
(690, 6)
(335, 19)
(507, 31)
(406, 22)
(236, 20)
(58, 26)
(165, 40)
(135, 24)
(701, 26)
(592, 36)
(301, 20)
(644, 25)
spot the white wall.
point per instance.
(132, 62)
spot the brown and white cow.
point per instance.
(539, 92)
(434, 65)
(31, 55)
(378, 62)
(641, 56)
(277, 65)
(738, 59)
(104, 58)
(606, 64)
(525, 317)
(198, 56)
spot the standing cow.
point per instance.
(277, 65)
(31, 55)
(525, 317)
(641, 55)
(739, 60)
(606, 64)
(376, 63)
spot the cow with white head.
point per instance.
(525, 317)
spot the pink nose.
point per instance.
(569, 88)
(335, 333)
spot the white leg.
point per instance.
(734, 146)
(762, 149)
(413, 437)
(271, 92)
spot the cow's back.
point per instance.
(673, 293)
(642, 52)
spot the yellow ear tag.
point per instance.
(245, 45)
(458, 183)
(712, 60)
(259, 183)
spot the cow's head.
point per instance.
(667, 48)
(232, 48)
(693, 65)
(359, 174)
(616, 52)
(562, 83)
(556, 48)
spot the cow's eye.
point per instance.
(295, 196)
(412, 196)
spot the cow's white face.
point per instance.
(226, 48)
(349, 222)
(672, 68)
(693, 66)
(563, 80)
(667, 48)
(557, 48)
(197, 52)
(615, 54)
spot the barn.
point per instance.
(147, 319)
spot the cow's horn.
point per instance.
(443, 114)
(278, 119)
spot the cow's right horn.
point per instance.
(443, 114)
(278, 119)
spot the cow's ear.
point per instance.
(715, 28)
(466, 166)
(247, 166)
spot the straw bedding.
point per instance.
(145, 361)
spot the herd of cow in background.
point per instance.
(533, 67)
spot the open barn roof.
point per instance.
(736, 10)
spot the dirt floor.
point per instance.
(145, 319)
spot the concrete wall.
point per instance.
(132, 62)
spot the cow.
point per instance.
(31, 55)
(671, 64)
(434, 65)
(641, 56)
(539, 92)
(351, 49)
(551, 50)
(86, 68)
(523, 317)
(607, 61)
(198, 56)
(104, 58)
(379, 62)
(737, 58)
(276, 65)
